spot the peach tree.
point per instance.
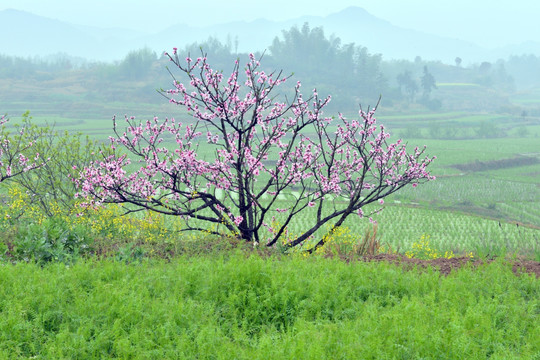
(14, 148)
(246, 145)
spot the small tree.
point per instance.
(428, 82)
(408, 84)
(137, 64)
(13, 162)
(52, 185)
(262, 148)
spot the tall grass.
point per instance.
(234, 306)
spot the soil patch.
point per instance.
(446, 266)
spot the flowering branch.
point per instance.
(13, 162)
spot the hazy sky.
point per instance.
(488, 23)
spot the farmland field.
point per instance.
(485, 194)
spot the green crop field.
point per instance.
(448, 230)
(528, 98)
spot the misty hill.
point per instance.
(26, 34)
(356, 25)
(30, 35)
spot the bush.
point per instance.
(50, 241)
(51, 186)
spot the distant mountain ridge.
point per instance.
(26, 34)
(33, 35)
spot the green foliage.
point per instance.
(53, 240)
(486, 130)
(222, 301)
(347, 71)
(51, 186)
(221, 53)
(407, 85)
(16, 67)
(32, 234)
(344, 70)
(249, 308)
(428, 83)
(130, 253)
(137, 64)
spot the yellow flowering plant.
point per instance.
(423, 250)
(342, 242)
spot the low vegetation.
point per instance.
(233, 305)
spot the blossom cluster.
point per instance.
(13, 161)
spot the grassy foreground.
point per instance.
(238, 306)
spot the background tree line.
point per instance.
(348, 71)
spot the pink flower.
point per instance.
(238, 220)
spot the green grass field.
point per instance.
(233, 306)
